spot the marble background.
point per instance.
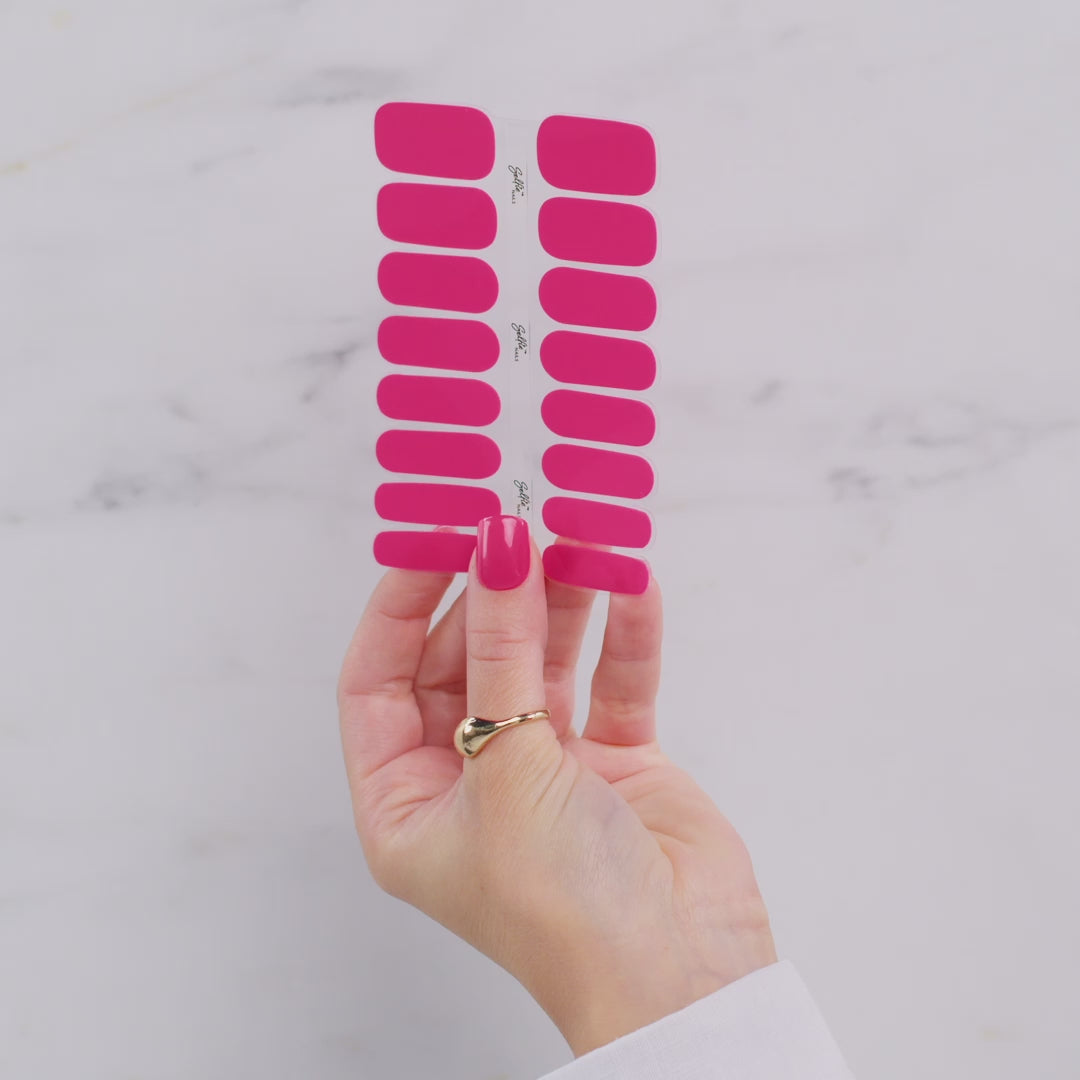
(869, 533)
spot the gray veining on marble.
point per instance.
(868, 522)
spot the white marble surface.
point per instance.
(869, 529)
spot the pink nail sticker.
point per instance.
(604, 156)
(447, 282)
(595, 360)
(443, 552)
(598, 523)
(598, 418)
(598, 472)
(451, 344)
(438, 400)
(435, 140)
(436, 504)
(591, 298)
(437, 215)
(597, 231)
(438, 453)
(592, 569)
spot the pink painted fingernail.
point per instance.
(503, 551)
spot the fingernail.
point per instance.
(503, 551)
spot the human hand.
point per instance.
(589, 867)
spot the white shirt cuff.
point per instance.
(762, 1027)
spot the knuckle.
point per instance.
(559, 672)
(630, 649)
(618, 705)
(498, 644)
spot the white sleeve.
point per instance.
(762, 1027)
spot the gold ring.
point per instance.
(473, 734)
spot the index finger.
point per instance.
(379, 717)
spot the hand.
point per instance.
(589, 867)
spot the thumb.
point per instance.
(506, 636)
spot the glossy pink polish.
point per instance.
(503, 551)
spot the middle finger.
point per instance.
(440, 679)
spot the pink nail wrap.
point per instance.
(592, 298)
(608, 157)
(437, 215)
(616, 161)
(597, 360)
(597, 231)
(435, 140)
(452, 344)
(597, 522)
(598, 472)
(446, 282)
(435, 504)
(438, 400)
(438, 453)
(442, 552)
(598, 417)
(592, 569)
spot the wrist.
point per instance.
(622, 1000)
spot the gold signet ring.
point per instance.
(473, 734)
